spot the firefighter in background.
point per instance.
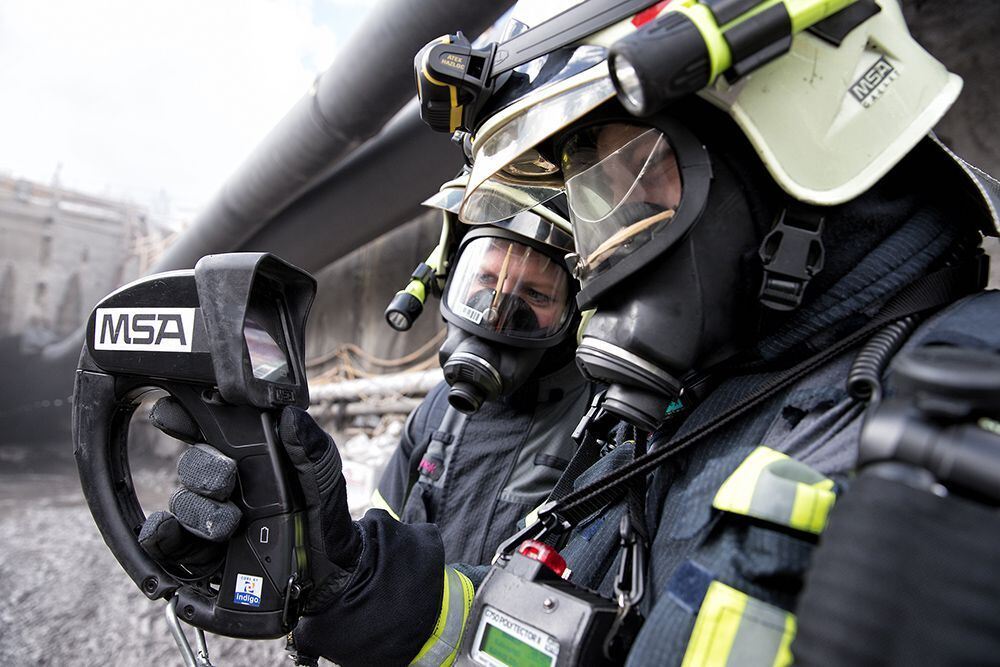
(486, 448)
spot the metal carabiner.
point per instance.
(187, 653)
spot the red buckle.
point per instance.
(544, 554)
(648, 14)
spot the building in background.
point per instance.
(61, 251)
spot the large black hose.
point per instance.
(348, 104)
(379, 187)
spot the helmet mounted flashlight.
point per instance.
(451, 81)
(454, 79)
(690, 44)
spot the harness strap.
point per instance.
(929, 292)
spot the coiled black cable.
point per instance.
(864, 381)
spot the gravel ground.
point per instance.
(65, 600)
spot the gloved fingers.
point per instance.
(168, 415)
(209, 519)
(310, 445)
(319, 468)
(164, 538)
(207, 471)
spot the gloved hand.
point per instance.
(201, 519)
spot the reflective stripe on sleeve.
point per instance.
(443, 645)
(736, 630)
(379, 502)
(770, 486)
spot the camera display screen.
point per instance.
(511, 650)
(502, 641)
(264, 333)
(268, 360)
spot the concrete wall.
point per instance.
(355, 290)
(60, 252)
(963, 35)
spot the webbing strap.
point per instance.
(931, 291)
(585, 456)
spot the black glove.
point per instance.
(200, 521)
(335, 542)
(194, 531)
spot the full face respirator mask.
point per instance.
(662, 234)
(507, 302)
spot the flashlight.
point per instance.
(408, 303)
(429, 276)
(451, 79)
(689, 45)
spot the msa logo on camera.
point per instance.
(248, 590)
(144, 329)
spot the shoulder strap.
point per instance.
(929, 292)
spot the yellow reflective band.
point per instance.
(812, 506)
(379, 502)
(736, 630)
(770, 486)
(456, 603)
(716, 626)
(736, 492)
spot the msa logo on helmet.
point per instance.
(144, 329)
(873, 82)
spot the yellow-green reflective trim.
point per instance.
(770, 486)
(736, 492)
(381, 503)
(446, 639)
(812, 506)
(736, 630)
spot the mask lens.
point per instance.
(506, 287)
(622, 183)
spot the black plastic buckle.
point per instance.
(793, 254)
(595, 416)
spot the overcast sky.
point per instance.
(135, 97)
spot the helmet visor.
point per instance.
(509, 174)
(509, 288)
(622, 185)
